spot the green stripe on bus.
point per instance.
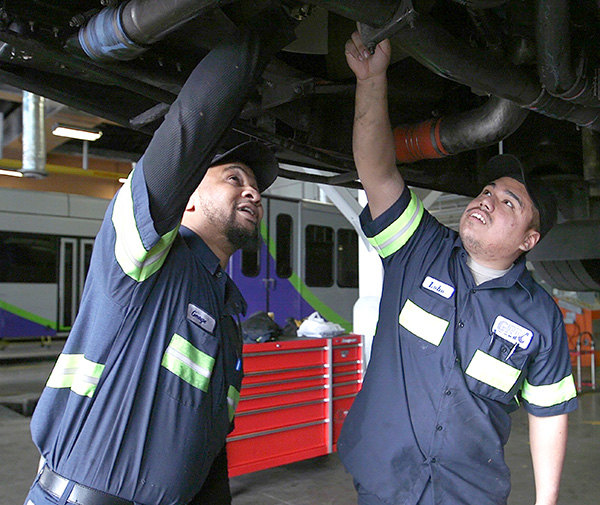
(34, 318)
(307, 295)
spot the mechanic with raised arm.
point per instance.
(142, 397)
(464, 334)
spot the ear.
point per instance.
(532, 237)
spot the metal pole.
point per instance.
(85, 154)
(34, 136)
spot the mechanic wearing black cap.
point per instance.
(464, 333)
(141, 399)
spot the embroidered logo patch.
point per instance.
(512, 332)
(438, 287)
(201, 318)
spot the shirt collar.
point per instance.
(517, 274)
(234, 300)
(201, 250)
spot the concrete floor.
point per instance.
(318, 481)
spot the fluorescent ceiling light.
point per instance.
(76, 132)
(12, 173)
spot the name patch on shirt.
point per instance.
(201, 318)
(438, 287)
(512, 332)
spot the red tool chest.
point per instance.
(295, 397)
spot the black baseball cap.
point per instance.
(257, 156)
(507, 165)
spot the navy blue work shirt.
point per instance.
(450, 361)
(138, 404)
(143, 395)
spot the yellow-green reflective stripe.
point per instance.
(423, 324)
(550, 394)
(399, 232)
(188, 362)
(492, 371)
(233, 398)
(130, 253)
(76, 372)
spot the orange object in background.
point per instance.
(582, 325)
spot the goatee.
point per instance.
(242, 238)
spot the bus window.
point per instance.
(28, 258)
(347, 258)
(283, 241)
(318, 255)
(250, 263)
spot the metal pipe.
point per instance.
(557, 72)
(376, 13)
(486, 125)
(34, 136)
(591, 160)
(481, 4)
(435, 48)
(125, 31)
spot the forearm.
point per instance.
(372, 138)
(548, 440)
(210, 101)
(183, 146)
(373, 145)
(373, 141)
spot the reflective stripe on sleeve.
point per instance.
(492, 371)
(233, 398)
(134, 259)
(188, 362)
(399, 232)
(550, 394)
(421, 323)
(76, 372)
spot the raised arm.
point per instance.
(548, 440)
(209, 102)
(372, 138)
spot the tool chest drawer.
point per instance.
(289, 408)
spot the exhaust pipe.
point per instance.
(125, 31)
(435, 48)
(555, 66)
(481, 127)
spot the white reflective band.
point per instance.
(130, 252)
(399, 232)
(76, 372)
(492, 371)
(188, 362)
(550, 394)
(422, 324)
